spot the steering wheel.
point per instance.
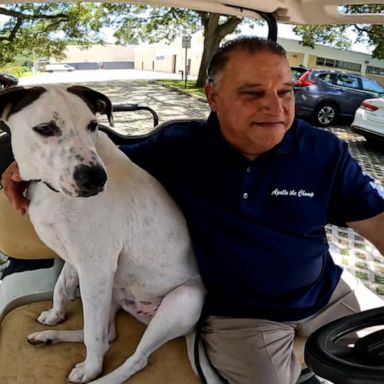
(362, 363)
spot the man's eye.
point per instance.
(93, 125)
(47, 129)
(252, 93)
(286, 92)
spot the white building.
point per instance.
(173, 58)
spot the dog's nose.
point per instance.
(89, 180)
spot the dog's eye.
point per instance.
(47, 129)
(93, 125)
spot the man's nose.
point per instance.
(273, 103)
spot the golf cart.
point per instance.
(23, 295)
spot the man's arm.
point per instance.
(372, 229)
(14, 188)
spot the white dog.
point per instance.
(123, 239)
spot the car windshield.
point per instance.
(371, 85)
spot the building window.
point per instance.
(340, 64)
(160, 57)
(375, 70)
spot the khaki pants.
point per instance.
(258, 351)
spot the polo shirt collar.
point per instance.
(289, 142)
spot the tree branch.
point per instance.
(228, 27)
(20, 15)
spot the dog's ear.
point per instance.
(96, 101)
(14, 99)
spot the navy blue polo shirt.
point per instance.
(258, 226)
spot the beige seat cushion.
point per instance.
(18, 239)
(21, 363)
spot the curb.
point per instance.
(198, 98)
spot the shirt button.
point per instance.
(249, 169)
(245, 195)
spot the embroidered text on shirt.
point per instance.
(292, 192)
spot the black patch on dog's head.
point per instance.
(96, 101)
(14, 99)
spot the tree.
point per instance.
(335, 35)
(136, 23)
(42, 30)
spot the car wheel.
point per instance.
(325, 114)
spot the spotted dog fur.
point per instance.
(123, 239)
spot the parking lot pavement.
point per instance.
(168, 103)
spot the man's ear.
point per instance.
(210, 93)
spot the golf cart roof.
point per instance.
(284, 11)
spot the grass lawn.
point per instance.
(180, 84)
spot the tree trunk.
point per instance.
(213, 34)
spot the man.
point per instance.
(257, 189)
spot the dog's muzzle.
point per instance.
(89, 180)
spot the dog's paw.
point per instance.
(51, 317)
(82, 374)
(40, 339)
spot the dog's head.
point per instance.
(54, 132)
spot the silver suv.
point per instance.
(324, 96)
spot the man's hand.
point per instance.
(14, 188)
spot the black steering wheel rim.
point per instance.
(341, 364)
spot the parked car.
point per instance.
(7, 80)
(297, 72)
(324, 95)
(59, 67)
(369, 119)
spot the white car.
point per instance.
(369, 119)
(59, 67)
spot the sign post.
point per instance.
(186, 43)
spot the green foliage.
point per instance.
(33, 30)
(43, 29)
(335, 35)
(39, 30)
(189, 87)
(13, 69)
(323, 34)
(136, 23)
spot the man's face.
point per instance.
(254, 101)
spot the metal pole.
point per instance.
(186, 69)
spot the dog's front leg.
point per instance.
(64, 291)
(176, 316)
(96, 294)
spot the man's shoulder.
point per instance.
(170, 138)
(317, 136)
(181, 129)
